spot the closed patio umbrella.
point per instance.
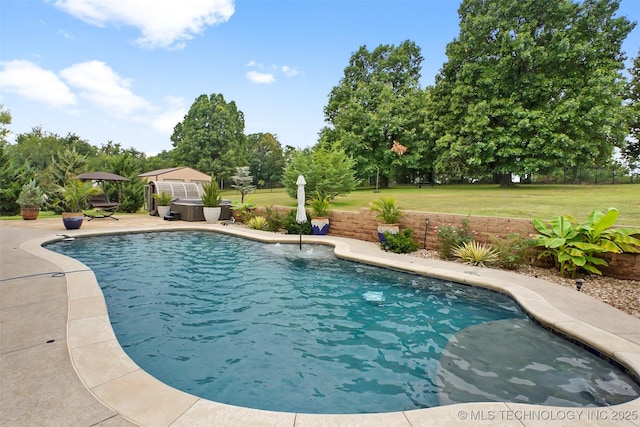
(301, 214)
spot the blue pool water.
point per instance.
(275, 327)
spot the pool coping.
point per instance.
(125, 388)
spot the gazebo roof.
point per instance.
(101, 176)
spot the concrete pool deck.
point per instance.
(60, 363)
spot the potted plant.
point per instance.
(76, 193)
(211, 200)
(163, 203)
(320, 218)
(389, 214)
(30, 200)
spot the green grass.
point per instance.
(524, 201)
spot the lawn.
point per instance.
(523, 201)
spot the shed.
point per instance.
(182, 183)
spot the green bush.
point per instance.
(275, 220)
(450, 237)
(513, 250)
(400, 243)
(575, 246)
(292, 227)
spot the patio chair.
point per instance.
(101, 207)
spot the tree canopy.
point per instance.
(529, 86)
(378, 102)
(265, 159)
(631, 151)
(211, 136)
(327, 170)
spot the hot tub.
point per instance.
(189, 209)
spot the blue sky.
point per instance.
(127, 71)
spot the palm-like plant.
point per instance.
(76, 194)
(387, 211)
(320, 205)
(475, 253)
(211, 194)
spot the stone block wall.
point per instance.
(362, 225)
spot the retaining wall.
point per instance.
(362, 225)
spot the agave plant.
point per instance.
(475, 253)
(574, 245)
(258, 223)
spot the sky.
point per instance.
(127, 71)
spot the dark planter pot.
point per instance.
(72, 221)
(320, 226)
(389, 228)
(29, 212)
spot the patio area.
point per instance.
(60, 363)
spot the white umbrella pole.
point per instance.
(301, 214)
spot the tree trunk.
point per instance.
(504, 179)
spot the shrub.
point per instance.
(400, 243)
(574, 246)
(31, 195)
(211, 194)
(387, 211)
(245, 210)
(319, 205)
(292, 227)
(475, 253)
(275, 220)
(163, 199)
(513, 250)
(450, 237)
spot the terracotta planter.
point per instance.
(72, 220)
(388, 228)
(29, 212)
(320, 226)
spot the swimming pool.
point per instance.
(379, 355)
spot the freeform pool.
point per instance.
(273, 327)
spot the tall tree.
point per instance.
(631, 152)
(265, 158)
(243, 181)
(326, 169)
(211, 136)
(10, 183)
(378, 102)
(529, 86)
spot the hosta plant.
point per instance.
(573, 245)
(475, 253)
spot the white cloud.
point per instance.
(166, 121)
(103, 87)
(37, 84)
(267, 78)
(162, 23)
(262, 78)
(288, 71)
